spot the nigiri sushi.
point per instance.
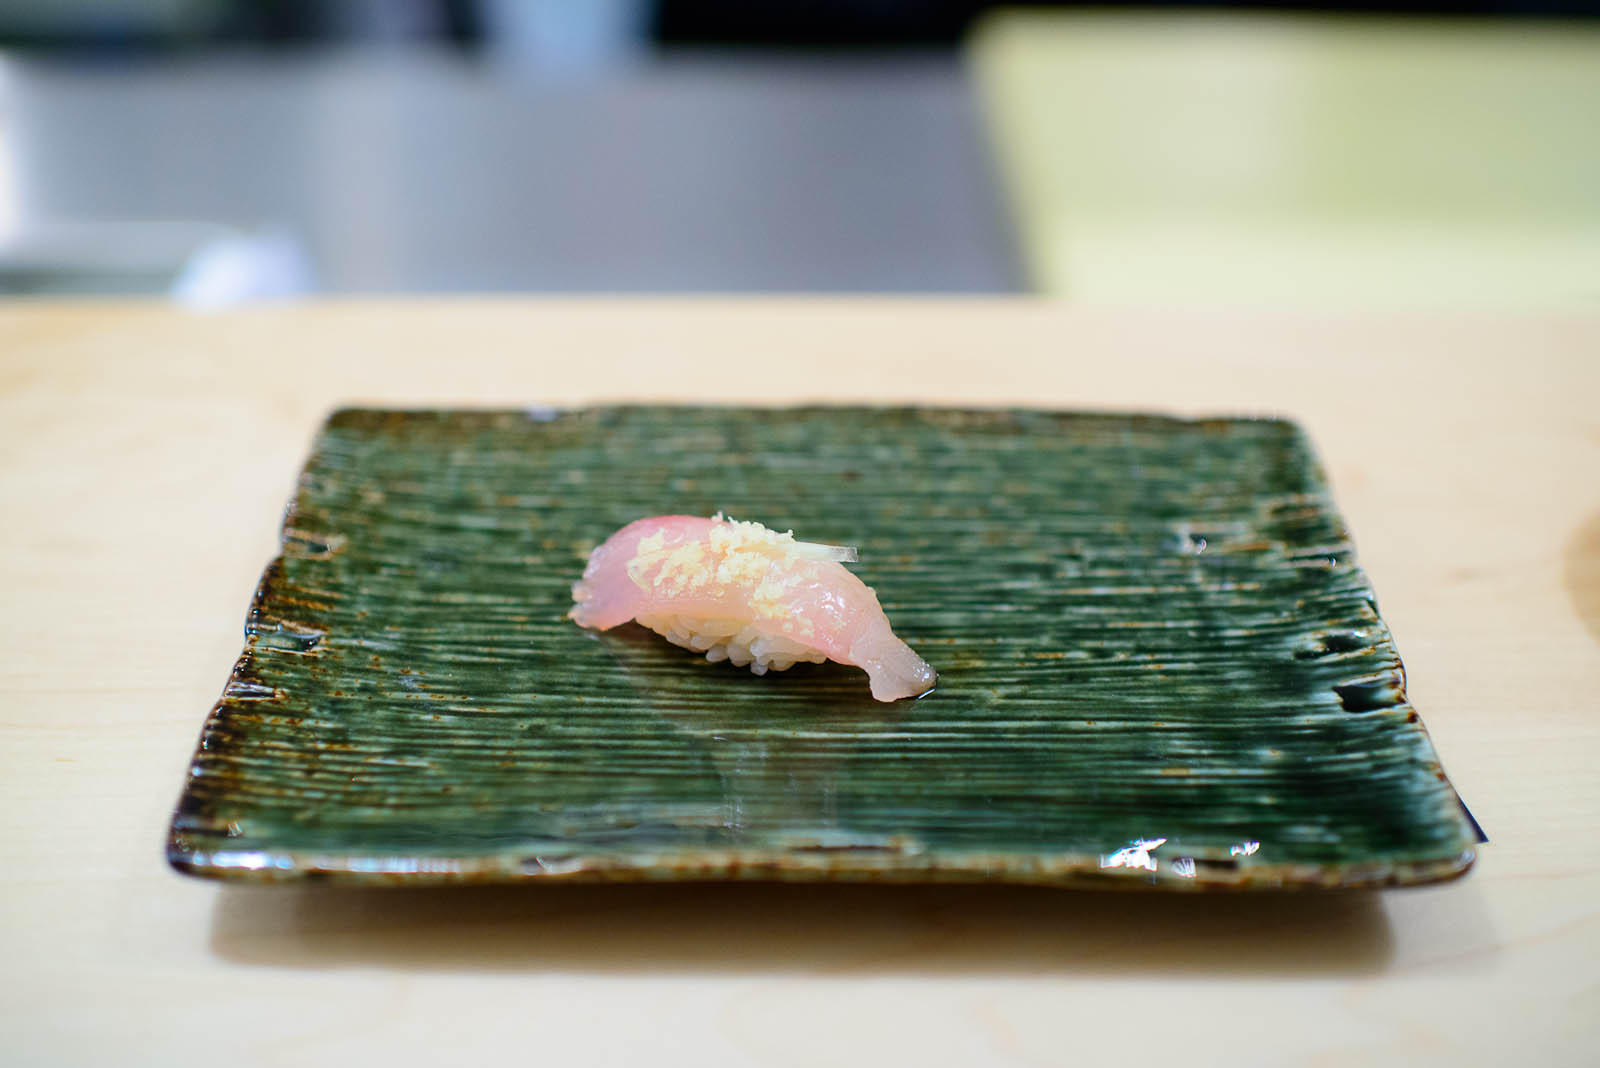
(737, 591)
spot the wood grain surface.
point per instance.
(145, 457)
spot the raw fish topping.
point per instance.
(741, 592)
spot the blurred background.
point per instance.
(1435, 153)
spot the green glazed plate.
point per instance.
(1159, 664)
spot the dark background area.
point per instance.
(889, 22)
(472, 24)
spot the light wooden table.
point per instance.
(145, 457)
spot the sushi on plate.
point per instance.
(740, 592)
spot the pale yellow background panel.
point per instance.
(1311, 161)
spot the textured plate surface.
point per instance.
(1159, 663)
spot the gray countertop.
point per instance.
(430, 173)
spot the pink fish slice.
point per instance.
(740, 592)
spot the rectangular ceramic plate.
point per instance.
(1159, 663)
